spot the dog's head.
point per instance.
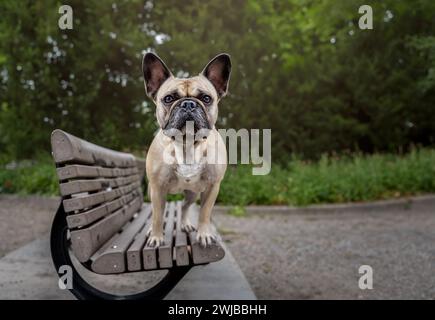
(179, 100)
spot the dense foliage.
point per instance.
(332, 179)
(301, 67)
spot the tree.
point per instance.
(300, 67)
(87, 80)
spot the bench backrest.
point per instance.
(100, 189)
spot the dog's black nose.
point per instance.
(188, 105)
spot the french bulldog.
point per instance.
(180, 102)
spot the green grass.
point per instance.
(330, 180)
(237, 211)
(333, 180)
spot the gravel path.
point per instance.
(23, 219)
(317, 256)
(296, 256)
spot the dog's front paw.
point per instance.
(155, 241)
(187, 226)
(205, 237)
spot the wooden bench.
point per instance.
(103, 222)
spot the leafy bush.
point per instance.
(242, 188)
(332, 179)
(39, 178)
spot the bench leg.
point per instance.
(60, 253)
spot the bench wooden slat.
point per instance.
(165, 250)
(86, 201)
(112, 259)
(211, 253)
(83, 171)
(88, 217)
(199, 254)
(149, 254)
(76, 171)
(134, 252)
(181, 249)
(78, 186)
(86, 241)
(68, 148)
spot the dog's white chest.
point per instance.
(189, 172)
(188, 177)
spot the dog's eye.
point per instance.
(168, 99)
(206, 99)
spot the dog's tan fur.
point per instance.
(167, 178)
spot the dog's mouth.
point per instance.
(183, 117)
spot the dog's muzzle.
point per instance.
(186, 110)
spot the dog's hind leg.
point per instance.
(189, 199)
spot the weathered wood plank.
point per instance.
(78, 186)
(165, 250)
(113, 258)
(134, 252)
(68, 148)
(86, 201)
(181, 250)
(85, 242)
(149, 254)
(87, 217)
(75, 171)
(201, 255)
(211, 253)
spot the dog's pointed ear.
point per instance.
(155, 72)
(218, 71)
